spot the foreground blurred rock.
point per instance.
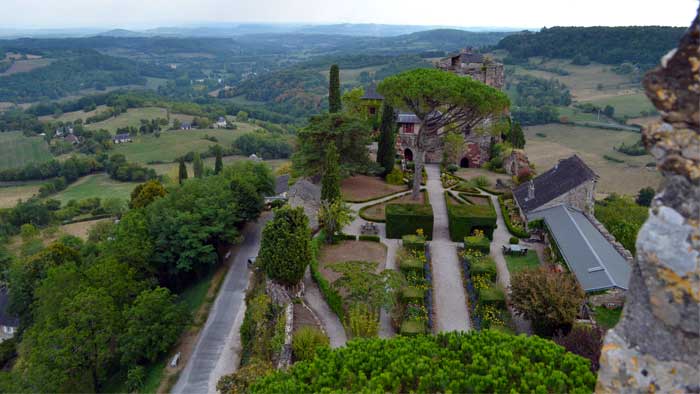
(656, 345)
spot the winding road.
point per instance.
(218, 347)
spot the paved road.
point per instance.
(450, 300)
(215, 355)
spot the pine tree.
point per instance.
(386, 153)
(198, 166)
(334, 103)
(219, 163)
(517, 137)
(182, 173)
(330, 184)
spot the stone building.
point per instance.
(476, 149)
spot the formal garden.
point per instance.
(377, 212)
(469, 213)
(412, 310)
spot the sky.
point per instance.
(139, 14)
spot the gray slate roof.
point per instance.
(123, 136)
(566, 175)
(371, 93)
(5, 318)
(407, 117)
(595, 262)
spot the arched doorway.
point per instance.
(464, 163)
(408, 155)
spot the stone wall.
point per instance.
(581, 198)
(656, 345)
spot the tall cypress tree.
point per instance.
(219, 163)
(197, 165)
(334, 104)
(517, 137)
(330, 184)
(386, 152)
(182, 172)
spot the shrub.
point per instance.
(412, 327)
(403, 219)
(362, 321)
(518, 232)
(448, 362)
(240, 381)
(413, 242)
(370, 238)
(584, 341)
(395, 177)
(285, 249)
(481, 181)
(492, 295)
(480, 243)
(514, 240)
(465, 218)
(307, 341)
(412, 261)
(480, 264)
(345, 237)
(412, 293)
(332, 297)
(452, 168)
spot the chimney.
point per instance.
(530, 190)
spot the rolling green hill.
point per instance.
(16, 150)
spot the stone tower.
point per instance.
(656, 345)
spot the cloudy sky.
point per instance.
(488, 13)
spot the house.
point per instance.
(122, 138)
(476, 66)
(281, 189)
(8, 323)
(72, 139)
(304, 193)
(569, 182)
(221, 123)
(372, 100)
(563, 199)
(185, 126)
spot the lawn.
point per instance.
(547, 144)
(97, 185)
(16, 150)
(607, 318)
(172, 144)
(10, 194)
(171, 169)
(630, 105)
(519, 263)
(361, 188)
(377, 212)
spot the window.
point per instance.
(372, 110)
(408, 128)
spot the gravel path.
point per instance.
(314, 299)
(450, 301)
(501, 237)
(392, 246)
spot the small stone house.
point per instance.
(8, 323)
(221, 123)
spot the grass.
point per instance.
(173, 144)
(519, 263)
(16, 150)
(73, 116)
(361, 188)
(377, 212)
(630, 105)
(97, 185)
(23, 191)
(607, 318)
(592, 145)
(133, 116)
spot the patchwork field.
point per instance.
(133, 116)
(98, 185)
(16, 150)
(547, 144)
(173, 144)
(23, 66)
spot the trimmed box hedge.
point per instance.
(412, 327)
(412, 293)
(481, 244)
(464, 219)
(370, 238)
(413, 242)
(411, 264)
(405, 219)
(485, 267)
(492, 295)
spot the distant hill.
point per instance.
(643, 45)
(121, 33)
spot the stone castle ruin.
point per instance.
(656, 345)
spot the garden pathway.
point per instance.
(450, 301)
(331, 323)
(501, 237)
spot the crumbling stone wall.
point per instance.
(656, 345)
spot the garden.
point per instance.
(361, 188)
(408, 219)
(377, 212)
(511, 215)
(411, 313)
(465, 218)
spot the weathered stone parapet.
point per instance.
(656, 345)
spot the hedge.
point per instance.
(506, 218)
(345, 237)
(412, 327)
(412, 293)
(409, 264)
(370, 238)
(485, 266)
(332, 297)
(481, 244)
(492, 295)
(464, 219)
(413, 242)
(404, 219)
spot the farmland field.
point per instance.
(547, 144)
(630, 105)
(98, 185)
(171, 169)
(10, 194)
(16, 150)
(73, 116)
(133, 116)
(173, 144)
(23, 66)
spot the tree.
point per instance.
(242, 116)
(145, 193)
(182, 172)
(153, 323)
(584, 341)
(330, 183)
(517, 137)
(439, 99)
(386, 153)
(334, 103)
(623, 218)
(454, 146)
(197, 165)
(285, 250)
(645, 196)
(334, 215)
(549, 299)
(218, 163)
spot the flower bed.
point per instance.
(507, 209)
(487, 304)
(411, 314)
